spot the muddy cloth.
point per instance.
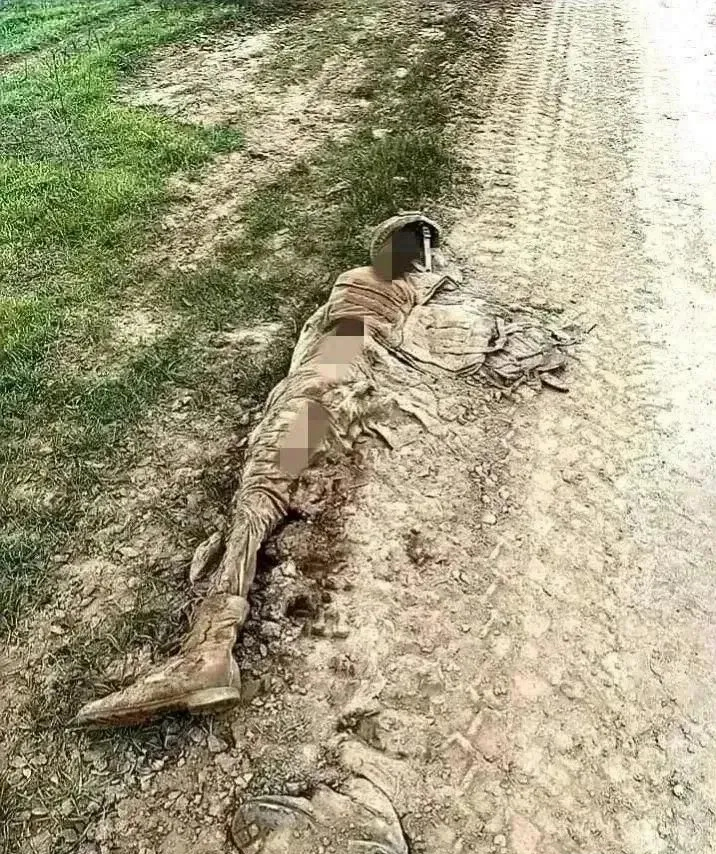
(329, 395)
(323, 399)
(335, 391)
(357, 819)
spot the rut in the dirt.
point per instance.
(529, 666)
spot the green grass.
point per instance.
(83, 177)
(128, 25)
(80, 176)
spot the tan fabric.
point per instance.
(324, 396)
(314, 404)
(338, 386)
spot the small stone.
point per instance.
(250, 689)
(128, 551)
(288, 569)
(294, 789)
(216, 745)
(319, 628)
(678, 790)
(401, 73)
(489, 519)
(379, 133)
(572, 690)
(256, 153)
(500, 840)
(270, 630)
(226, 762)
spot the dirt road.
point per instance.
(544, 673)
(598, 186)
(515, 636)
(531, 659)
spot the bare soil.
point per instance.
(240, 82)
(506, 619)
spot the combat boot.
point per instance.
(202, 677)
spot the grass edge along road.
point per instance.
(81, 177)
(410, 164)
(56, 422)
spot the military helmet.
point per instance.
(383, 232)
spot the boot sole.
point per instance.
(195, 703)
(212, 699)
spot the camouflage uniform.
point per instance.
(321, 400)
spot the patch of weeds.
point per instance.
(11, 808)
(337, 32)
(276, 206)
(85, 417)
(27, 327)
(131, 26)
(22, 565)
(74, 671)
(91, 412)
(404, 170)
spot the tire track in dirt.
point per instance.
(621, 759)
